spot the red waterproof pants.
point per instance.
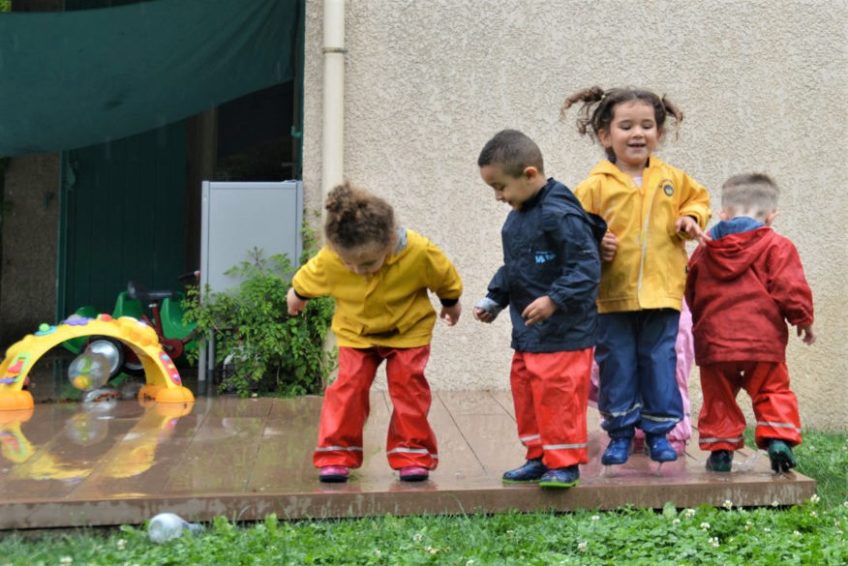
(721, 422)
(410, 442)
(551, 393)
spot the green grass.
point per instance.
(812, 533)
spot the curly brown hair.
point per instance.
(598, 109)
(355, 217)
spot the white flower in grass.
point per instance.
(470, 562)
(845, 503)
(418, 537)
(766, 530)
(705, 526)
(728, 504)
(815, 498)
(121, 544)
(796, 533)
(689, 513)
(66, 560)
(676, 521)
(596, 517)
(582, 546)
(813, 514)
(714, 542)
(432, 550)
(748, 525)
(378, 553)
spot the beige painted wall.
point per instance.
(763, 85)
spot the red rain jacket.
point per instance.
(742, 288)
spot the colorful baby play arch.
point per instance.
(163, 380)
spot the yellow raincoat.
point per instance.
(649, 268)
(390, 307)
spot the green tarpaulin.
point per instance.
(72, 79)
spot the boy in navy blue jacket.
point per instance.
(550, 282)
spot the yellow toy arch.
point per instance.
(163, 382)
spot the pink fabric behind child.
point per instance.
(685, 348)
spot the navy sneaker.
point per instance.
(659, 448)
(531, 471)
(617, 452)
(720, 461)
(561, 478)
(780, 454)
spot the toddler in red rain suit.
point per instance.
(742, 287)
(379, 274)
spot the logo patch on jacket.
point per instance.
(544, 257)
(668, 188)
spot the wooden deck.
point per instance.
(63, 466)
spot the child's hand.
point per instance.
(539, 310)
(451, 314)
(688, 226)
(806, 334)
(609, 244)
(294, 303)
(483, 315)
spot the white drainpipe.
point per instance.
(332, 155)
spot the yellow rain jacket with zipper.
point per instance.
(390, 307)
(649, 268)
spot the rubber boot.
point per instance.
(659, 448)
(617, 452)
(780, 454)
(720, 461)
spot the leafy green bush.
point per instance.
(265, 350)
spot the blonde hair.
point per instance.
(752, 193)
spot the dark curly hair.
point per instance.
(355, 217)
(599, 106)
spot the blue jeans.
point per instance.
(637, 362)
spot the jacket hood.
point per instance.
(731, 255)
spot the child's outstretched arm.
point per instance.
(488, 308)
(694, 210)
(444, 280)
(295, 303)
(309, 281)
(788, 286)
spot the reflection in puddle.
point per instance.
(90, 435)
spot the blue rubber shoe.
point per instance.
(561, 478)
(780, 454)
(617, 452)
(531, 471)
(659, 448)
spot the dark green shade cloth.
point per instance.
(73, 79)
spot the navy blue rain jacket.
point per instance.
(551, 247)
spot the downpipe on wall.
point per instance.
(332, 166)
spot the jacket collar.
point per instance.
(607, 167)
(400, 247)
(537, 198)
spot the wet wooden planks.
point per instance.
(63, 466)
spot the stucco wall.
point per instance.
(763, 85)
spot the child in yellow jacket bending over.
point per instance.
(650, 209)
(379, 275)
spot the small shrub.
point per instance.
(267, 350)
